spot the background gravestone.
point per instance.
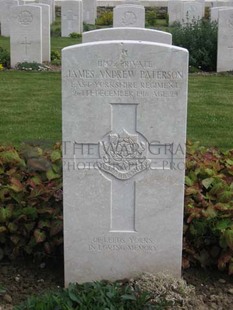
(175, 11)
(126, 33)
(124, 115)
(185, 11)
(225, 40)
(214, 12)
(46, 41)
(89, 11)
(193, 11)
(26, 34)
(51, 3)
(72, 17)
(5, 7)
(129, 15)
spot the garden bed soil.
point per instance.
(22, 279)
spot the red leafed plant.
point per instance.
(208, 220)
(31, 218)
(30, 201)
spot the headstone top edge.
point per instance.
(130, 28)
(27, 6)
(129, 5)
(129, 42)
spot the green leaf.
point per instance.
(210, 172)
(36, 179)
(223, 224)
(51, 175)
(9, 156)
(188, 181)
(39, 235)
(217, 188)
(55, 155)
(5, 213)
(229, 162)
(73, 296)
(210, 212)
(207, 182)
(128, 297)
(225, 196)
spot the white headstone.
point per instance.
(89, 11)
(51, 3)
(185, 11)
(222, 3)
(26, 34)
(5, 7)
(46, 41)
(129, 15)
(175, 11)
(193, 11)
(71, 17)
(124, 111)
(127, 34)
(225, 40)
(214, 12)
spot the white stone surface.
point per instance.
(225, 40)
(175, 11)
(185, 11)
(46, 41)
(89, 11)
(192, 11)
(72, 17)
(124, 106)
(124, 33)
(222, 3)
(5, 7)
(26, 34)
(129, 15)
(51, 3)
(214, 12)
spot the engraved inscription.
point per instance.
(25, 18)
(113, 79)
(135, 244)
(129, 18)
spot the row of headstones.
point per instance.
(131, 15)
(5, 16)
(74, 13)
(30, 39)
(134, 15)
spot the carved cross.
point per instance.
(70, 17)
(26, 43)
(120, 156)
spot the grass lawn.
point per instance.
(31, 108)
(210, 110)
